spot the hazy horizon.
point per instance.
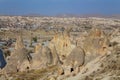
(58, 7)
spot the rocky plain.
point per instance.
(59, 48)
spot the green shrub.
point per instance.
(35, 39)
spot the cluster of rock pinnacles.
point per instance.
(60, 51)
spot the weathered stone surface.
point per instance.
(45, 56)
(42, 58)
(63, 44)
(96, 42)
(37, 48)
(55, 56)
(105, 67)
(74, 60)
(17, 58)
(2, 77)
(19, 43)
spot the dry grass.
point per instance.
(35, 74)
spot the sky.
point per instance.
(57, 7)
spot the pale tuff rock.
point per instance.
(37, 48)
(37, 60)
(55, 56)
(74, 60)
(46, 55)
(42, 58)
(63, 44)
(19, 43)
(115, 37)
(24, 66)
(79, 41)
(105, 67)
(96, 32)
(96, 42)
(17, 58)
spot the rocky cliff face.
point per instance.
(105, 67)
(93, 57)
(19, 43)
(102, 67)
(37, 48)
(74, 61)
(96, 42)
(44, 56)
(17, 58)
(63, 44)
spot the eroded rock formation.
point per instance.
(44, 56)
(19, 43)
(74, 60)
(96, 42)
(37, 48)
(62, 44)
(105, 67)
(17, 58)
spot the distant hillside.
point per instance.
(89, 15)
(117, 16)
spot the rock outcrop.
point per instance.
(17, 58)
(19, 43)
(41, 58)
(55, 56)
(44, 56)
(62, 44)
(37, 48)
(74, 61)
(96, 42)
(105, 67)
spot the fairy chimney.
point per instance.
(96, 42)
(19, 43)
(37, 48)
(63, 44)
